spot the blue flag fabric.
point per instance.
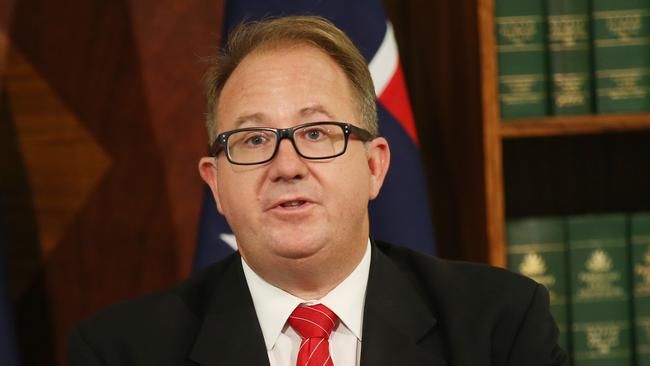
(401, 213)
(8, 350)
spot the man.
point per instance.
(295, 160)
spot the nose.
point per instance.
(287, 164)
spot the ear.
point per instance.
(378, 163)
(208, 171)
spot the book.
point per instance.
(621, 37)
(600, 290)
(537, 248)
(569, 44)
(640, 248)
(521, 55)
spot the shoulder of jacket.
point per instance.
(454, 278)
(184, 300)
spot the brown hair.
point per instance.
(311, 30)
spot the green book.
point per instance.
(537, 248)
(521, 54)
(621, 33)
(600, 294)
(640, 246)
(569, 44)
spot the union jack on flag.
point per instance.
(401, 213)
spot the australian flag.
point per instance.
(401, 213)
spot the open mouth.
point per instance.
(293, 204)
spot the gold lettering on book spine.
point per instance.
(625, 26)
(599, 281)
(626, 83)
(519, 34)
(519, 89)
(572, 90)
(567, 32)
(534, 267)
(602, 338)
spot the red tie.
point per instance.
(314, 324)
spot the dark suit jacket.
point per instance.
(419, 311)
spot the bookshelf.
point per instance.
(477, 164)
(574, 125)
(496, 131)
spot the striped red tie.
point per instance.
(314, 324)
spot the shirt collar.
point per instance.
(274, 305)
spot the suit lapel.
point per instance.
(230, 333)
(398, 329)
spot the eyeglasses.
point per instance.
(315, 140)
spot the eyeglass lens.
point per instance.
(313, 141)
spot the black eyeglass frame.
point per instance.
(221, 142)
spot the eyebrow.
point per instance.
(259, 118)
(255, 117)
(314, 109)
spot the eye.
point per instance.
(315, 133)
(254, 139)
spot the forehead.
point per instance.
(280, 84)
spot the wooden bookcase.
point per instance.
(496, 131)
(479, 165)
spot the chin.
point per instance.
(297, 246)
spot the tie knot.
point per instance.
(313, 321)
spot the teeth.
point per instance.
(292, 204)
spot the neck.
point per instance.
(313, 277)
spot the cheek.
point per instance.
(351, 185)
(236, 195)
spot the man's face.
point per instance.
(293, 208)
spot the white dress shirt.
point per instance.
(274, 305)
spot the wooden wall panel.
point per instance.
(127, 73)
(6, 8)
(101, 131)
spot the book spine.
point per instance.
(640, 248)
(621, 33)
(600, 291)
(537, 249)
(521, 55)
(569, 44)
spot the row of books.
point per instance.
(566, 57)
(597, 270)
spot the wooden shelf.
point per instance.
(573, 125)
(454, 82)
